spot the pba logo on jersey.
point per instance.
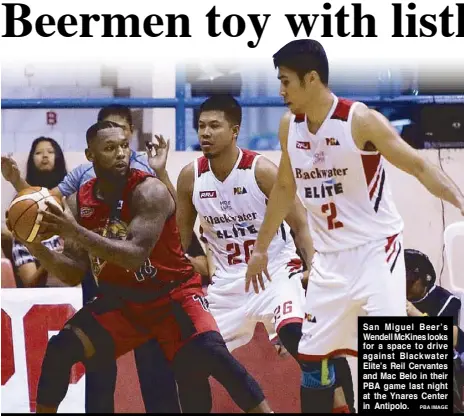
(207, 194)
(240, 190)
(331, 141)
(303, 145)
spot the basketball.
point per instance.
(22, 214)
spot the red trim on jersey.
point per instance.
(247, 159)
(294, 320)
(374, 188)
(390, 241)
(299, 118)
(370, 165)
(295, 264)
(393, 252)
(344, 351)
(203, 165)
(342, 110)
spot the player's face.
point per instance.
(215, 133)
(295, 92)
(416, 290)
(44, 156)
(123, 123)
(110, 152)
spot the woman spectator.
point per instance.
(46, 167)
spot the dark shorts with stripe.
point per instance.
(116, 326)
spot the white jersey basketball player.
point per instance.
(333, 154)
(228, 189)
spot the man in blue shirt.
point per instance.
(156, 378)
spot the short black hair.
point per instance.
(115, 110)
(226, 103)
(419, 267)
(93, 130)
(304, 56)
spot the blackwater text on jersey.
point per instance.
(240, 226)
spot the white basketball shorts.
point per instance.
(367, 280)
(237, 312)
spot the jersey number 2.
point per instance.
(235, 249)
(331, 209)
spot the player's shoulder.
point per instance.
(186, 178)
(248, 158)
(363, 115)
(264, 165)
(188, 171)
(83, 169)
(150, 191)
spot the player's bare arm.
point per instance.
(280, 202)
(266, 177)
(151, 205)
(186, 211)
(11, 173)
(71, 265)
(371, 126)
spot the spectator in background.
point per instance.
(425, 298)
(46, 167)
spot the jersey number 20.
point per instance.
(234, 249)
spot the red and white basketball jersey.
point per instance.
(231, 213)
(344, 189)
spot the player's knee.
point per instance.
(98, 343)
(317, 374)
(290, 335)
(63, 351)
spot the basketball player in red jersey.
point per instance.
(333, 155)
(124, 222)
